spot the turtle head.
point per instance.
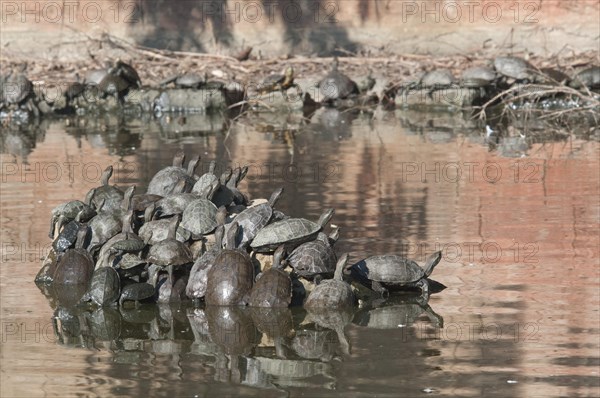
(325, 217)
(278, 258)
(275, 196)
(126, 204)
(289, 72)
(108, 172)
(232, 235)
(431, 262)
(193, 165)
(178, 159)
(342, 267)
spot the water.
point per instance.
(518, 226)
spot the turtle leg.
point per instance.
(378, 287)
(424, 285)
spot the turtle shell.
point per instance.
(189, 80)
(196, 286)
(67, 237)
(200, 217)
(252, 220)
(230, 279)
(169, 252)
(389, 269)
(136, 292)
(95, 76)
(103, 227)
(130, 243)
(166, 179)
(272, 289)
(292, 230)
(175, 203)
(111, 196)
(513, 67)
(336, 85)
(478, 76)
(75, 266)
(17, 88)
(437, 77)
(330, 293)
(313, 258)
(105, 287)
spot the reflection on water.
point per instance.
(516, 219)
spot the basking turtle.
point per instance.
(75, 266)
(69, 211)
(275, 82)
(200, 217)
(332, 293)
(105, 287)
(127, 73)
(392, 272)
(336, 85)
(291, 232)
(136, 292)
(196, 286)
(16, 88)
(189, 80)
(169, 253)
(107, 224)
(154, 231)
(124, 242)
(207, 182)
(110, 195)
(273, 287)
(478, 76)
(589, 78)
(231, 277)
(68, 234)
(165, 180)
(514, 68)
(224, 196)
(176, 202)
(437, 78)
(316, 259)
(253, 219)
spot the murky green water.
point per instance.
(517, 222)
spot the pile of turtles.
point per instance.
(199, 237)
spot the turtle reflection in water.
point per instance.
(401, 311)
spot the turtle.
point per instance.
(165, 180)
(393, 272)
(223, 196)
(67, 235)
(253, 219)
(16, 88)
(231, 277)
(136, 292)
(107, 224)
(69, 211)
(291, 232)
(76, 265)
(514, 68)
(196, 286)
(273, 287)
(336, 85)
(127, 73)
(154, 231)
(275, 82)
(437, 78)
(124, 242)
(105, 287)
(113, 85)
(169, 253)
(589, 78)
(141, 202)
(208, 181)
(478, 76)
(200, 217)
(176, 202)
(315, 260)
(189, 80)
(109, 194)
(332, 293)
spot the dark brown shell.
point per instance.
(330, 293)
(230, 279)
(273, 289)
(74, 267)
